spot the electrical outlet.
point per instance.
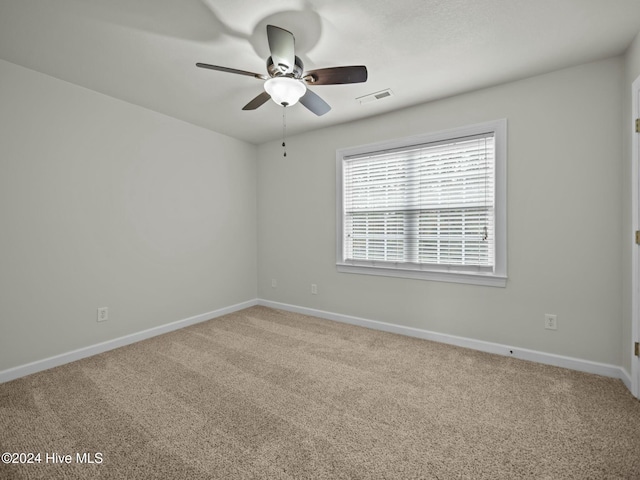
(550, 321)
(314, 289)
(274, 283)
(103, 314)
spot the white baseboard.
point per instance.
(525, 354)
(57, 360)
(571, 363)
(626, 379)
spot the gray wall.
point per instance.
(103, 203)
(564, 222)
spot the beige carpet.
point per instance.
(266, 394)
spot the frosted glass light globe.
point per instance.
(285, 91)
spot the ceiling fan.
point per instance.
(287, 82)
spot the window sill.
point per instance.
(472, 278)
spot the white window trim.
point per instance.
(497, 278)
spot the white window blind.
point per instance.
(431, 204)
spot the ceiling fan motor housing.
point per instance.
(278, 70)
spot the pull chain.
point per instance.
(284, 128)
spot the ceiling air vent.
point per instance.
(372, 97)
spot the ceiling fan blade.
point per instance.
(314, 103)
(282, 46)
(337, 75)
(258, 101)
(231, 70)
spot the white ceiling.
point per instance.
(144, 51)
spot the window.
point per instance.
(430, 207)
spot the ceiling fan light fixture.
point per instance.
(286, 82)
(285, 90)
